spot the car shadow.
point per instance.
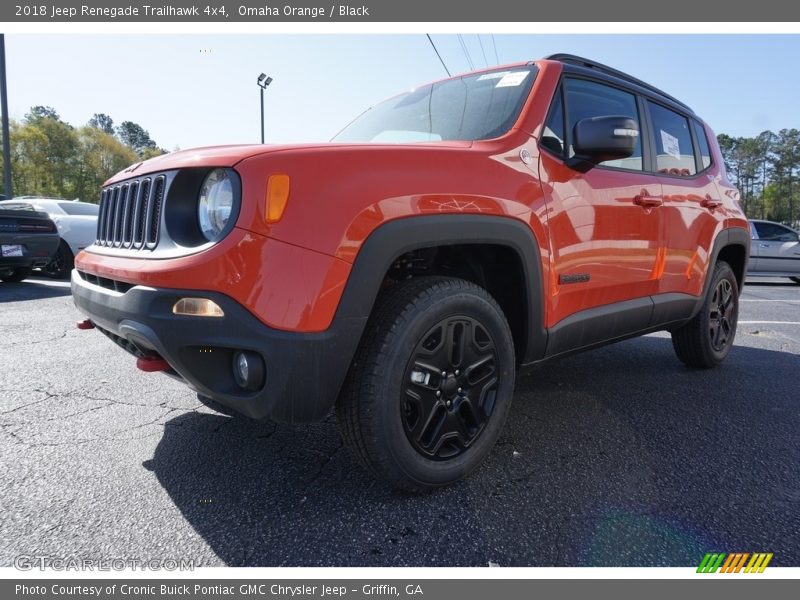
(620, 456)
(33, 288)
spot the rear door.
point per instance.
(692, 205)
(778, 248)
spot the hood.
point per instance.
(228, 156)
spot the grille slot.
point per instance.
(130, 214)
(104, 282)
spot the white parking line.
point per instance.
(759, 300)
(769, 322)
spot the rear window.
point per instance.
(473, 107)
(79, 208)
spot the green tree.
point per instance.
(41, 112)
(102, 122)
(43, 156)
(134, 135)
(101, 156)
(51, 158)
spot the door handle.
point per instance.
(764, 245)
(645, 200)
(710, 203)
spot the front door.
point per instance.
(604, 225)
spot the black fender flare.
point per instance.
(391, 240)
(734, 236)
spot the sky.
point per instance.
(196, 90)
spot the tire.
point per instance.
(706, 340)
(401, 418)
(62, 263)
(17, 275)
(795, 279)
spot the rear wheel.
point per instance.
(431, 384)
(707, 339)
(62, 263)
(16, 275)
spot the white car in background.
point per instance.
(774, 251)
(77, 226)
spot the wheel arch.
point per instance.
(733, 246)
(390, 241)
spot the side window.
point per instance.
(772, 232)
(553, 134)
(586, 99)
(702, 140)
(674, 150)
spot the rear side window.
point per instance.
(702, 141)
(586, 99)
(674, 149)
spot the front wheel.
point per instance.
(431, 384)
(707, 339)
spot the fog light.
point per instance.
(197, 307)
(248, 370)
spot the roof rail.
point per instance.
(591, 64)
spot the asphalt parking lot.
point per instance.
(620, 456)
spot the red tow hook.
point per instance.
(85, 324)
(151, 364)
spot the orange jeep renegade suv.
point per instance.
(405, 271)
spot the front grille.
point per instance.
(130, 214)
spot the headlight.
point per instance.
(215, 204)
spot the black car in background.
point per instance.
(28, 239)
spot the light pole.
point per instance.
(263, 82)
(4, 108)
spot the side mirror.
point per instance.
(598, 139)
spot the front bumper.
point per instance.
(304, 371)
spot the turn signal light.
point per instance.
(197, 307)
(277, 197)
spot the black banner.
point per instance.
(405, 589)
(475, 11)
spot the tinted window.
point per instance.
(473, 107)
(80, 208)
(774, 232)
(587, 99)
(702, 140)
(553, 134)
(674, 150)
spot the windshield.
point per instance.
(473, 107)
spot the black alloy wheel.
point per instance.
(722, 315)
(451, 387)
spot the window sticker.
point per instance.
(512, 79)
(670, 144)
(497, 75)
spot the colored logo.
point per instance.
(735, 562)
